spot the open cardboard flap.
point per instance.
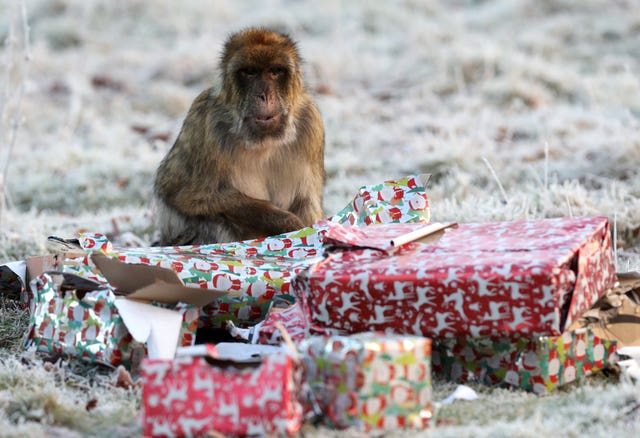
(152, 283)
(624, 326)
(140, 283)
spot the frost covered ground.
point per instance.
(519, 109)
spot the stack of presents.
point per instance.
(345, 322)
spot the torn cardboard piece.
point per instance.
(139, 281)
(616, 317)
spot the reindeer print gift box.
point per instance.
(505, 279)
(214, 391)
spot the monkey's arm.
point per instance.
(249, 216)
(307, 204)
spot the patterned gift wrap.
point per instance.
(538, 365)
(505, 279)
(264, 267)
(370, 381)
(191, 396)
(88, 325)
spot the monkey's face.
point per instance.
(262, 83)
(263, 89)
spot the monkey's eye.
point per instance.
(248, 72)
(277, 72)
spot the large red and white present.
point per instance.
(218, 391)
(505, 279)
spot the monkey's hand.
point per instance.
(258, 218)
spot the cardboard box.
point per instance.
(504, 279)
(223, 393)
(79, 317)
(370, 381)
(257, 270)
(617, 317)
(539, 365)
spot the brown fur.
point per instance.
(249, 160)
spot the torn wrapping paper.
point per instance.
(370, 381)
(539, 365)
(213, 393)
(75, 316)
(267, 332)
(261, 268)
(505, 279)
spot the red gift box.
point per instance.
(190, 396)
(506, 279)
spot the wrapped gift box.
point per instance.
(78, 317)
(261, 268)
(193, 395)
(504, 279)
(370, 381)
(538, 365)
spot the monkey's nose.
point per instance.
(262, 97)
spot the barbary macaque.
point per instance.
(249, 159)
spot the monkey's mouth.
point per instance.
(267, 121)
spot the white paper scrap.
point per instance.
(630, 367)
(158, 327)
(462, 392)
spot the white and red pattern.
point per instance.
(191, 396)
(523, 278)
(292, 319)
(266, 332)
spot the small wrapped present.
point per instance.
(223, 393)
(370, 381)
